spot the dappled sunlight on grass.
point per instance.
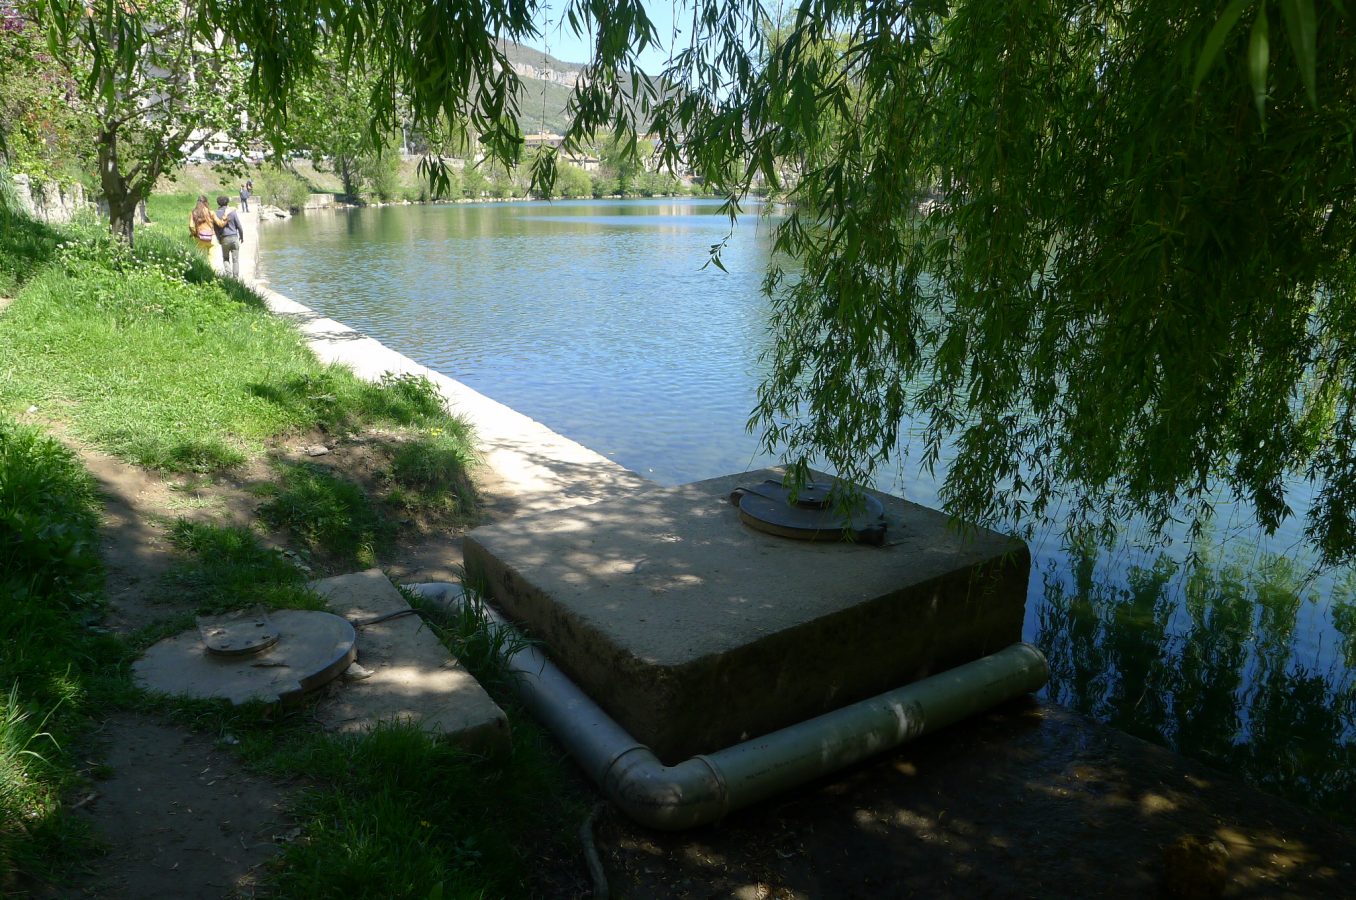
(326, 512)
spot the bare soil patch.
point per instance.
(1031, 800)
(180, 816)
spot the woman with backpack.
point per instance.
(202, 224)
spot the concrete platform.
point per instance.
(413, 677)
(695, 632)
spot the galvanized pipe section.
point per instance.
(707, 787)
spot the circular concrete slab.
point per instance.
(312, 648)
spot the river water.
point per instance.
(602, 320)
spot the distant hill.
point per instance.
(543, 105)
(528, 56)
(547, 84)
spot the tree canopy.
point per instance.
(155, 83)
(1101, 248)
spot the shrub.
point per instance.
(381, 176)
(282, 188)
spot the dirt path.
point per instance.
(179, 816)
(138, 507)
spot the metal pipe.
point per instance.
(706, 787)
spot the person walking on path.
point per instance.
(201, 224)
(246, 191)
(232, 235)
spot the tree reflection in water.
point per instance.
(1208, 660)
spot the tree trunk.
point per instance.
(121, 198)
(347, 170)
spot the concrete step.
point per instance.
(414, 678)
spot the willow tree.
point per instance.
(1103, 249)
(1130, 284)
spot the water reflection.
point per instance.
(1205, 661)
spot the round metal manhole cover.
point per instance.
(811, 516)
(238, 634)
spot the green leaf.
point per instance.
(1301, 24)
(1259, 60)
(1214, 42)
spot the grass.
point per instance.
(395, 813)
(145, 354)
(174, 376)
(392, 813)
(324, 511)
(26, 245)
(429, 473)
(225, 567)
(471, 635)
(50, 592)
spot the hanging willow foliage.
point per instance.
(1130, 286)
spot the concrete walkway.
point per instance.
(532, 468)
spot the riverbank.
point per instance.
(598, 319)
(229, 463)
(1067, 805)
(1028, 800)
(528, 467)
(288, 187)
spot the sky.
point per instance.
(558, 40)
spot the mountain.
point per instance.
(532, 63)
(547, 83)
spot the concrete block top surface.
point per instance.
(673, 575)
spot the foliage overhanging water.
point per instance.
(601, 320)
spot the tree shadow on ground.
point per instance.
(1028, 800)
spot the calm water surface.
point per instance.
(601, 320)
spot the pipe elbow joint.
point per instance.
(666, 798)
